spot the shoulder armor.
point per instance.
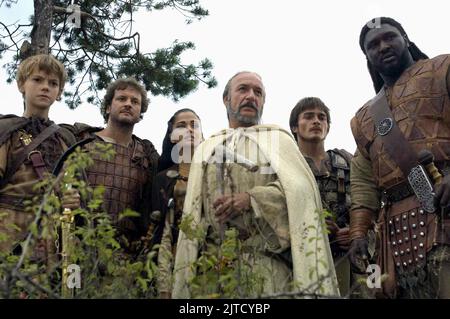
(81, 130)
(340, 158)
(9, 124)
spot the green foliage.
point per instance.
(221, 271)
(191, 230)
(105, 46)
(226, 267)
(107, 269)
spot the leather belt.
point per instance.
(15, 202)
(399, 192)
(403, 190)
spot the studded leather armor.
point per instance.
(420, 104)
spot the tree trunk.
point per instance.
(42, 27)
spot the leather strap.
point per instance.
(399, 192)
(38, 163)
(360, 223)
(28, 150)
(394, 141)
(13, 201)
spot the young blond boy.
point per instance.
(30, 146)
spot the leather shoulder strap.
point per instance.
(393, 139)
(20, 158)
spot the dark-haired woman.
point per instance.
(183, 135)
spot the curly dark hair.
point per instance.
(122, 84)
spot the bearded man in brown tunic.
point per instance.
(406, 124)
(127, 177)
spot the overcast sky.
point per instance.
(300, 48)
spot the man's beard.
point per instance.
(242, 119)
(124, 121)
(397, 69)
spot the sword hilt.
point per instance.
(426, 158)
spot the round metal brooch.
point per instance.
(385, 126)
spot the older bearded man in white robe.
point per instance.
(253, 177)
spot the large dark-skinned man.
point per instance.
(404, 125)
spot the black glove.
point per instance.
(359, 255)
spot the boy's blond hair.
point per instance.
(41, 62)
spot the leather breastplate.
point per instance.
(123, 177)
(420, 105)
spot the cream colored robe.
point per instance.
(285, 203)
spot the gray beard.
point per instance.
(245, 120)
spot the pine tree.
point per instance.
(97, 44)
